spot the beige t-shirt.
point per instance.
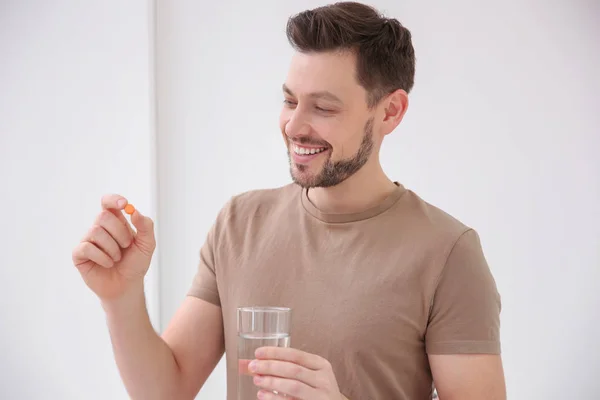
(373, 292)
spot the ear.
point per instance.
(394, 108)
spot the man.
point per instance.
(390, 295)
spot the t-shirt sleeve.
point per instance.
(465, 311)
(204, 284)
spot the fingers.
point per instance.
(115, 204)
(284, 369)
(104, 241)
(266, 395)
(307, 360)
(144, 238)
(114, 227)
(86, 251)
(243, 367)
(112, 232)
(113, 201)
(144, 225)
(284, 386)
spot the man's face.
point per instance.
(325, 121)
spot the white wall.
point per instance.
(75, 122)
(502, 131)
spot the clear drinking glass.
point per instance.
(258, 327)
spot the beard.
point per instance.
(335, 172)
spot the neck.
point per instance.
(363, 190)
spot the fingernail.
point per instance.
(261, 395)
(121, 202)
(259, 353)
(257, 379)
(252, 366)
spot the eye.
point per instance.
(289, 103)
(323, 110)
(326, 111)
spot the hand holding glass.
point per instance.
(258, 327)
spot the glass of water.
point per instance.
(258, 327)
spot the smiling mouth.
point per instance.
(305, 151)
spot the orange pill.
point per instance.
(129, 209)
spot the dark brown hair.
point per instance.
(383, 47)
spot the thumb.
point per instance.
(145, 230)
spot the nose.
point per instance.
(296, 126)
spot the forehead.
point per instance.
(332, 71)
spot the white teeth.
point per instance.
(304, 150)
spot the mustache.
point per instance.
(308, 141)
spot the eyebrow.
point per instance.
(316, 95)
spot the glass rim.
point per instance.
(264, 309)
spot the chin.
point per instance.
(305, 184)
(302, 177)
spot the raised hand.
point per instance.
(113, 256)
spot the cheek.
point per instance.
(345, 146)
(338, 136)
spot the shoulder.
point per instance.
(460, 277)
(456, 248)
(429, 222)
(446, 245)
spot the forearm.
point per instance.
(146, 364)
